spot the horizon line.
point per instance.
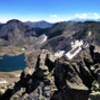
(76, 20)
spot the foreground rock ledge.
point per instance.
(59, 79)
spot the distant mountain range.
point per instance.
(82, 19)
(39, 24)
(57, 37)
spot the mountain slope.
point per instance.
(90, 31)
(15, 30)
(62, 34)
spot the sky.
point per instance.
(49, 10)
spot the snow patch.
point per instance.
(71, 56)
(76, 44)
(44, 39)
(59, 54)
(76, 48)
(90, 33)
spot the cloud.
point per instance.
(53, 16)
(57, 18)
(4, 19)
(94, 16)
(82, 16)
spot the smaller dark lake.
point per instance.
(12, 63)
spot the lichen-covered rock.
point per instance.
(42, 92)
(28, 71)
(5, 86)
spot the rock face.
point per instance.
(59, 79)
(15, 30)
(55, 38)
(62, 34)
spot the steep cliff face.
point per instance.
(59, 79)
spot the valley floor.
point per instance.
(9, 77)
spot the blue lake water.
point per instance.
(12, 63)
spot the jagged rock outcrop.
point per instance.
(34, 84)
(58, 79)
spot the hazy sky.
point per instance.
(50, 10)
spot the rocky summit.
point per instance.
(53, 78)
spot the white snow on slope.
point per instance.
(71, 56)
(59, 54)
(76, 48)
(89, 33)
(76, 44)
(44, 39)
